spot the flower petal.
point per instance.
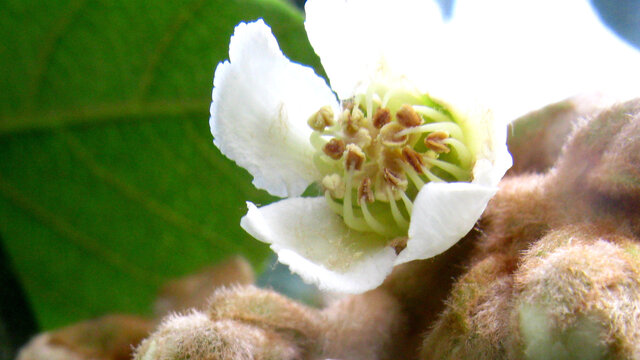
(261, 103)
(317, 245)
(358, 40)
(443, 213)
(522, 55)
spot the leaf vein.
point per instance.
(168, 36)
(45, 56)
(68, 231)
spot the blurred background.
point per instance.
(109, 182)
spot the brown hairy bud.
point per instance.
(196, 336)
(381, 118)
(334, 148)
(108, 337)
(193, 291)
(408, 117)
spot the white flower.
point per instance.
(405, 163)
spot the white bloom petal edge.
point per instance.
(443, 213)
(316, 244)
(261, 103)
(358, 40)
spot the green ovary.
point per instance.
(382, 148)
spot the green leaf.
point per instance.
(109, 181)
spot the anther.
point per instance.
(334, 148)
(362, 138)
(364, 191)
(414, 159)
(381, 118)
(398, 244)
(321, 119)
(393, 178)
(408, 117)
(390, 135)
(334, 184)
(354, 121)
(435, 142)
(355, 157)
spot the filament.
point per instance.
(450, 128)
(395, 212)
(458, 172)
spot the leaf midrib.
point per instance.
(99, 114)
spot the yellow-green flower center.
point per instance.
(380, 150)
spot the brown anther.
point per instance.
(353, 122)
(364, 191)
(334, 148)
(434, 141)
(389, 135)
(408, 117)
(381, 118)
(321, 119)
(355, 157)
(398, 244)
(414, 159)
(391, 177)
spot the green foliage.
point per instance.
(109, 181)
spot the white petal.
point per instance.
(360, 39)
(522, 55)
(317, 245)
(261, 103)
(443, 213)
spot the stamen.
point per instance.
(408, 204)
(317, 141)
(369, 101)
(333, 205)
(413, 175)
(372, 222)
(435, 142)
(464, 155)
(388, 95)
(381, 117)
(413, 158)
(408, 117)
(393, 179)
(431, 176)
(364, 191)
(399, 244)
(458, 172)
(393, 135)
(334, 148)
(431, 113)
(354, 121)
(334, 184)
(395, 212)
(323, 164)
(321, 119)
(355, 157)
(347, 207)
(448, 127)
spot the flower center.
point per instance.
(380, 150)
